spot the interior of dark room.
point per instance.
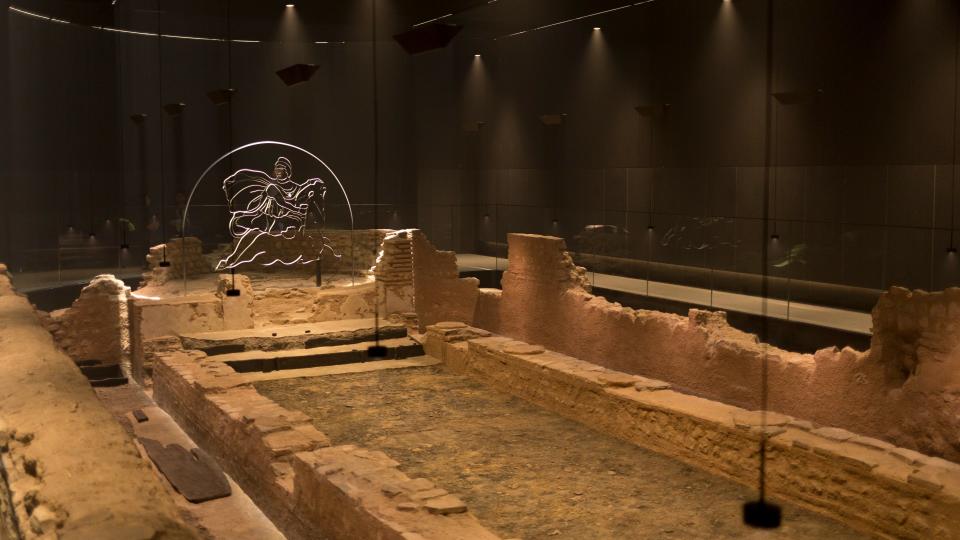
(702, 255)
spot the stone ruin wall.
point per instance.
(360, 246)
(95, 327)
(545, 300)
(876, 487)
(189, 250)
(440, 293)
(358, 250)
(393, 271)
(67, 468)
(298, 305)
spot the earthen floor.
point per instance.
(527, 473)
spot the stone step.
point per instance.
(331, 355)
(287, 337)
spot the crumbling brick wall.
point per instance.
(357, 249)
(440, 293)
(545, 300)
(95, 327)
(394, 274)
(178, 251)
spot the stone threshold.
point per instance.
(307, 487)
(870, 484)
(362, 367)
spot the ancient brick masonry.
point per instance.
(880, 488)
(394, 274)
(95, 326)
(287, 466)
(904, 390)
(916, 333)
(188, 249)
(441, 294)
(357, 250)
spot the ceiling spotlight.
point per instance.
(289, 5)
(476, 55)
(596, 28)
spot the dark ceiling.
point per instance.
(334, 20)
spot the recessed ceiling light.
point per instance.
(476, 55)
(289, 5)
(596, 28)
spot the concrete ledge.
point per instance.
(286, 465)
(874, 486)
(68, 468)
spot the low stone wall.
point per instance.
(68, 467)
(178, 252)
(286, 465)
(904, 390)
(394, 274)
(874, 486)
(357, 249)
(297, 305)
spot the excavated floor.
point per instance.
(527, 473)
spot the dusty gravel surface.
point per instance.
(527, 473)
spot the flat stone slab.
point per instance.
(518, 347)
(750, 419)
(194, 474)
(295, 336)
(450, 325)
(650, 385)
(614, 378)
(444, 505)
(833, 434)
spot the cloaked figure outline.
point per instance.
(274, 206)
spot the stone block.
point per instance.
(445, 505)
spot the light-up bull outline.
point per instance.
(312, 156)
(274, 206)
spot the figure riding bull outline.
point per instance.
(273, 206)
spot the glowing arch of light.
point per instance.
(186, 210)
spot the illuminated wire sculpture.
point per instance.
(272, 206)
(272, 179)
